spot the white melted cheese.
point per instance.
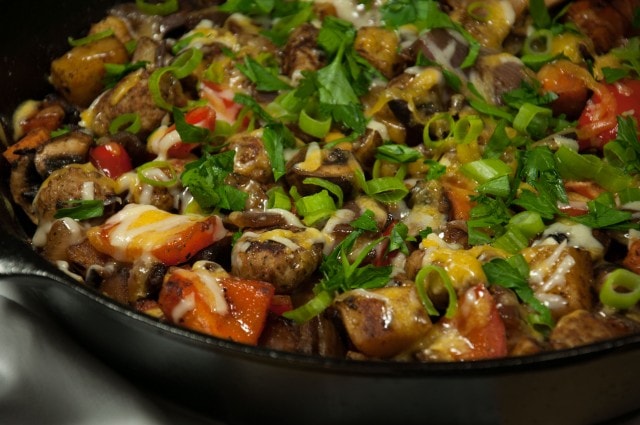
(357, 13)
(578, 236)
(550, 274)
(184, 306)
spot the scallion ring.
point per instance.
(422, 282)
(386, 189)
(325, 184)
(441, 125)
(315, 207)
(155, 87)
(621, 289)
(478, 11)
(314, 127)
(278, 199)
(160, 169)
(311, 309)
(131, 123)
(186, 63)
(90, 38)
(538, 43)
(467, 129)
(166, 7)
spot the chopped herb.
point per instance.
(397, 154)
(264, 78)
(276, 137)
(81, 209)
(115, 72)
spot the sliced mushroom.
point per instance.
(70, 148)
(335, 165)
(301, 53)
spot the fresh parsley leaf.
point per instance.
(498, 142)
(81, 209)
(604, 215)
(366, 221)
(528, 92)
(513, 273)
(255, 107)
(436, 169)
(398, 238)
(611, 75)
(276, 137)
(629, 54)
(205, 179)
(189, 133)
(487, 219)
(264, 78)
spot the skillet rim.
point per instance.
(38, 268)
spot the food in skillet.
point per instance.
(406, 180)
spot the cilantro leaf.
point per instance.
(366, 221)
(604, 215)
(528, 92)
(398, 154)
(189, 133)
(81, 209)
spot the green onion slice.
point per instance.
(131, 123)
(315, 207)
(314, 127)
(387, 189)
(154, 88)
(621, 289)
(434, 124)
(278, 198)
(90, 38)
(423, 278)
(467, 129)
(311, 309)
(325, 184)
(186, 63)
(163, 170)
(166, 7)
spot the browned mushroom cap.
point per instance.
(70, 148)
(251, 159)
(301, 53)
(335, 165)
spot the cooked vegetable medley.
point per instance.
(408, 180)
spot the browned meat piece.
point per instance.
(70, 148)
(48, 115)
(317, 336)
(500, 73)
(63, 234)
(364, 148)
(73, 182)
(284, 257)
(257, 199)
(562, 277)
(583, 327)
(379, 46)
(301, 53)
(606, 23)
(383, 322)
(79, 74)
(83, 256)
(256, 219)
(132, 95)
(251, 158)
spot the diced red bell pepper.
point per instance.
(219, 305)
(139, 230)
(202, 116)
(111, 158)
(597, 124)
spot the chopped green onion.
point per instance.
(131, 121)
(483, 170)
(616, 153)
(90, 38)
(186, 63)
(628, 195)
(528, 222)
(532, 119)
(621, 289)
(163, 8)
(478, 11)
(314, 127)
(538, 43)
(157, 179)
(185, 41)
(311, 309)
(325, 184)
(467, 129)
(512, 241)
(278, 198)
(315, 207)
(441, 125)
(154, 87)
(422, 285)
(386, 189)
(80, 209)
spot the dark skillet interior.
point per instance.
(247, 385)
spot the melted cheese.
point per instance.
(578, 236)
(312, 160)
(184, 306)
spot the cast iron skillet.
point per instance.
(240, 384)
